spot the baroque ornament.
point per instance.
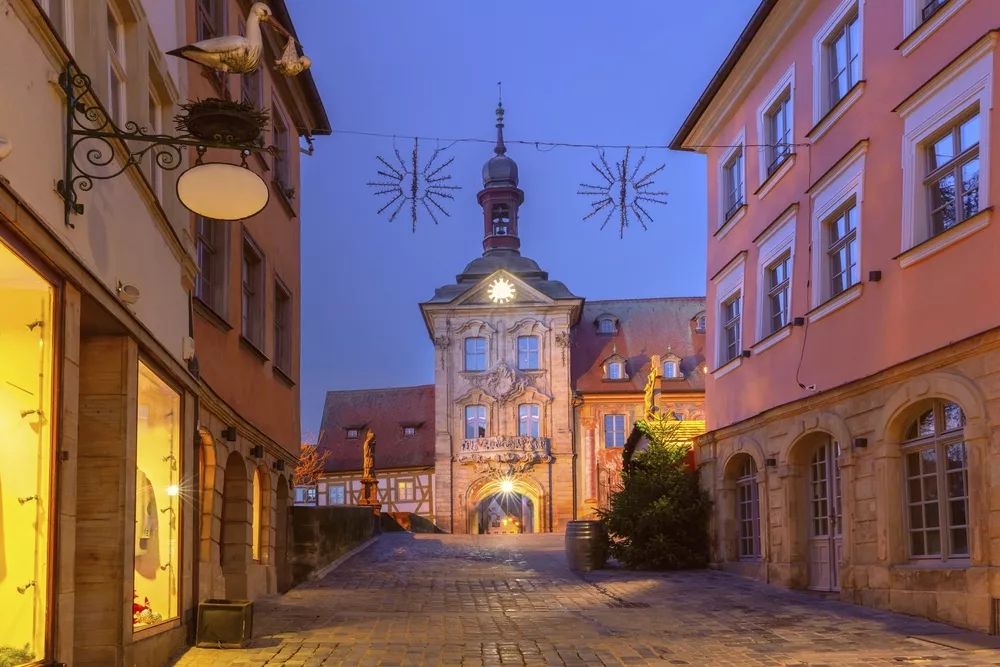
(501, 383)
(506, 456)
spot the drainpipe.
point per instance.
(575, 402)
(192, 629)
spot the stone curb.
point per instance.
(319, 574)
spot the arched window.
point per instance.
(936, 470)
(258, 506)
(748, 510)
(699, 326)
(501, 219)
(606, 326)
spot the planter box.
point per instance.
(224, 624)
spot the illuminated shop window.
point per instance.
(157, 501)
(26, 366)
(258, 506)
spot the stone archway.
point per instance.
(235, 543)
(282, 535)
(210, 509)
(526, 491)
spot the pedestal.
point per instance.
(369, 494)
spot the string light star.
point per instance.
(427, 187)
(623, 191)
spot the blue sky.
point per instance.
(585, 72)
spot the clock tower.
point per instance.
(503, 409)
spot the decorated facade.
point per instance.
(533, 389)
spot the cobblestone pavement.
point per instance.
(414, 600)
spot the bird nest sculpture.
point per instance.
(222, 120)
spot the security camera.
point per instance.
(128, 293)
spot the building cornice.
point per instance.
(761, 41)
(212, 402)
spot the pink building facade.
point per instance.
(853, 364)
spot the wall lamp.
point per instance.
(257, 451)
(229, 433)
(218, 191)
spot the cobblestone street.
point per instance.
(412, 600)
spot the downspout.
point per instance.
(575, 402)
(196, 486)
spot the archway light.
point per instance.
(507, 486)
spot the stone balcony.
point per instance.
(517, 452)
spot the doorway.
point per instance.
(825, 520)
(506, 514)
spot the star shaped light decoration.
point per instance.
(623, 191)
(426, 186)
(501, 291)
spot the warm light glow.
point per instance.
(222, 191)
(502, 290)
(507, 486)
(173, 490)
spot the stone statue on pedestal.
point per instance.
(369, 449)
(652, 387)
(369, 492)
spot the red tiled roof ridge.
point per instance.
(355, 391)
(591, 302)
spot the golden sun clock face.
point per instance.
(501, 291)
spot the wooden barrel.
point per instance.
(586, 545)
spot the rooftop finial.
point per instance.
(500, 148)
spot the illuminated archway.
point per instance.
(518, 486)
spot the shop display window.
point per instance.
(26, 372)
(157, 501)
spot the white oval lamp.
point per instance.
(222, 191)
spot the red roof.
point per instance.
(386, 412)
(645, 327)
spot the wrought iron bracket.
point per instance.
(88, 120)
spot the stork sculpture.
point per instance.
(234, 53)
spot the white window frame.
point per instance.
(966, 83)
(728, 283)
(614, 432)
(329, 494)
(64, 27)
(466, 354)
(830, 194)
(406, 490)
(674, 367)
(749, 482)
(775, 242)
(528, 352)
(529, 418)
(621, 370)
(821, 66)
(786, 84)
(915, 30)
(606, 331)
(474, 414)
(353, 433)
(409, 431)
(117, 67)
(737, 151)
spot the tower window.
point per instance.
(501, 219)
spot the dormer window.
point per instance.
(409, 431)
(606, 325)
(616, 370)
(670, 369)
(501, 219)
(352, 433)
(699, 326)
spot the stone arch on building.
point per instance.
(262, 521)
(486, 487)
(817, 490)
(902, 407)
(282, 534)
(727, 510)
(236, 527)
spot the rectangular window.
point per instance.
(352, 433)
(56, 9)
(953, 174)
(158, 567)
(615, 370)
(116, 66)
(282, 328)
(336, 494)
(282, 141)
(748, 511)
(527, 420)
(669, 369)
(251, 85)
(732, 173)
(154, 173)
(842, 249)
(212, 248)
(527, 353)
(778, 123)
(405, 491)
(475, 421)
(475, 354)
(614, 430)
(211, 17)
(730, 318)
(778, 292)
(253, 294)
(409, 431)
(842, 53)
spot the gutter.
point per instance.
(280, 11)
(717, 81)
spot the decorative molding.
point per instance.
(480, 325)
(771, 181)
(836, 303)
(947, 238)
(529, 324)
(821, 94)
(836, 113)
(737, 149)
(917, 32)
(727, 368)
(785, 83)
(442, 343)
(501, 382)
(772, 340)
(504, 456)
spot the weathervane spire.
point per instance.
(500, 148)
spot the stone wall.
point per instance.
(867, 421)
(321, 535)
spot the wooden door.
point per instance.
(825, 542)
